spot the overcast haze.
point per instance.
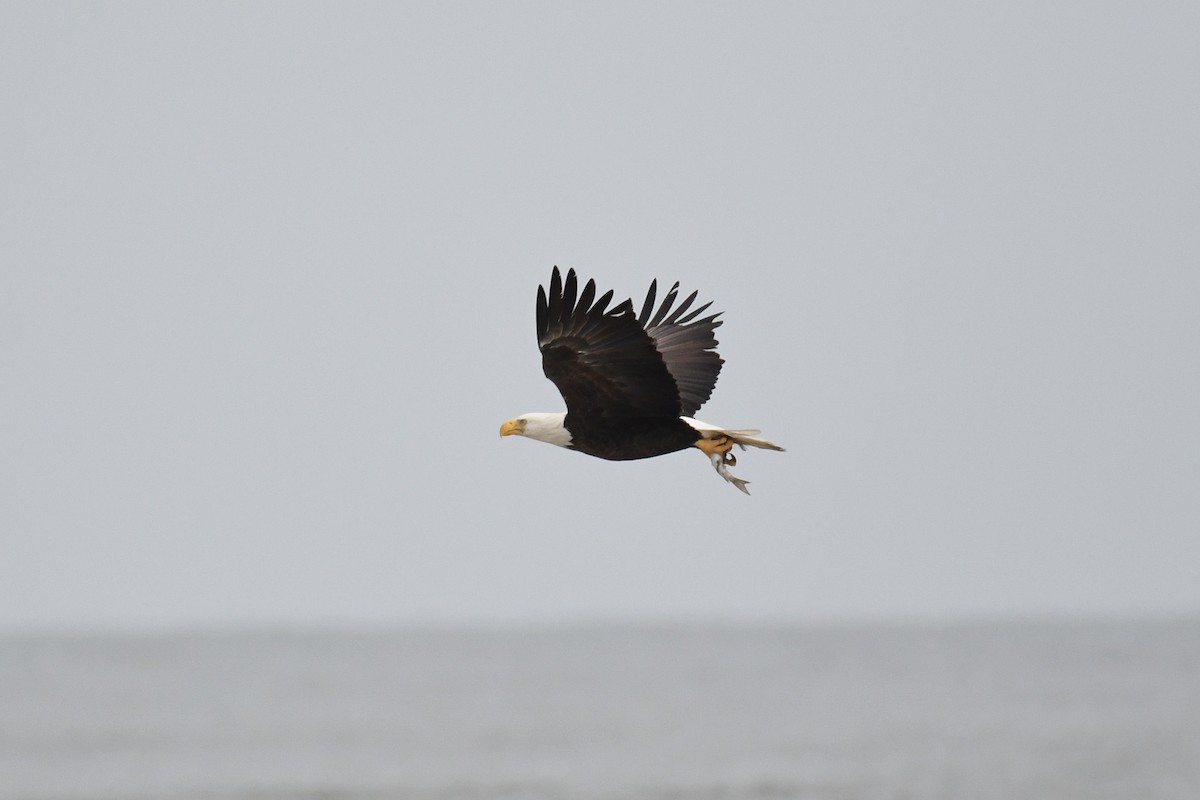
(267, 281)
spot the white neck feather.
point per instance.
(547, 428)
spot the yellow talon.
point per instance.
(721, 444)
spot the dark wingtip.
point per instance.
(679, 312)
(586, 296)
(570, 287)
(543, 313)
(648, 306)
(665, 308)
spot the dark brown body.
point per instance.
(631, 439)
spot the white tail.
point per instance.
(743, 437)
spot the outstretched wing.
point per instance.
(601, 360)
(686, 345)
(610, 363)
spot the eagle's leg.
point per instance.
(719, 444)
(718, 452)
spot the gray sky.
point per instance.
(267, 280)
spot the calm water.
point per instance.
(969, 713)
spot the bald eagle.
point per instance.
(630, 382)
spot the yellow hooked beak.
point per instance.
(513, 426)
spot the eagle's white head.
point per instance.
(541, 426)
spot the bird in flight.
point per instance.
(630, 381)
